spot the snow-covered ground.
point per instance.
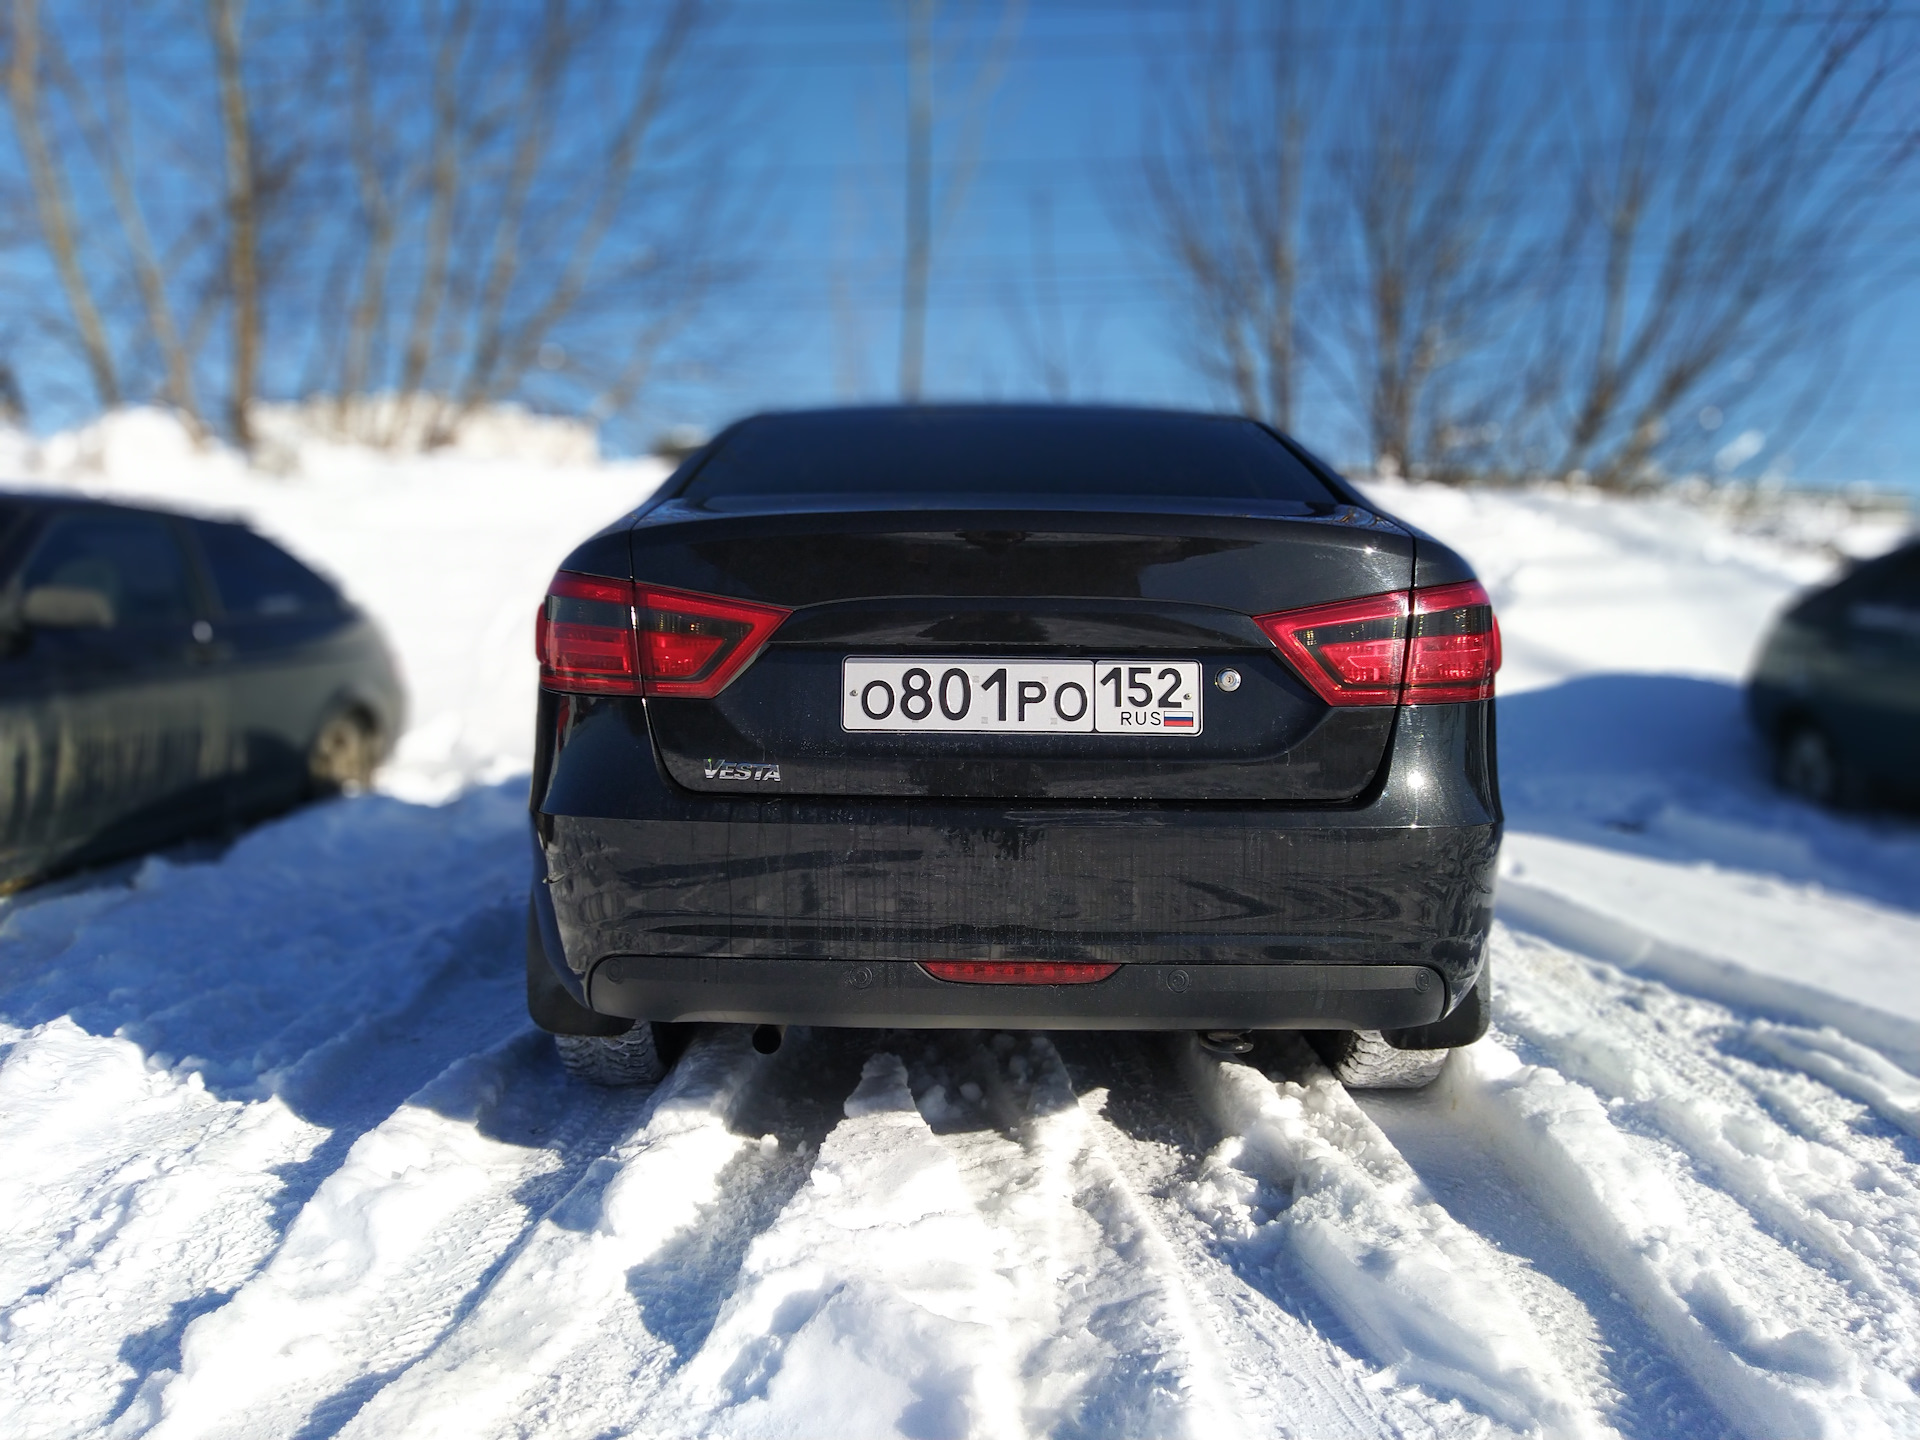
(280, 1157)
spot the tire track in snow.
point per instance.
(678, 1292)
(1425, 1296)
(1774, 1339)
(549, 1302)
(879, 1301)
(1611, 1355)
(147, 1200)
(1122, 1349)
(1850, 1204)
(1123, 1154)
(382, 1256)
(1847, 1066)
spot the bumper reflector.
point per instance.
(1017, 972)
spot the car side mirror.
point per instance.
(66, 607)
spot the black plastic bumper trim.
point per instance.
(1136, 997)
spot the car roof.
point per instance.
(67, 500)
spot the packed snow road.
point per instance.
(283, 1165)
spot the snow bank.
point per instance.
(1792, 949)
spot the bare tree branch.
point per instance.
(243, 217)
(53, 202)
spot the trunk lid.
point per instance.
(1154, 588)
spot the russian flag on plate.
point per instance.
(1176, 720)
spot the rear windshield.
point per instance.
(1042, 454)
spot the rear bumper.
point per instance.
(658, 904)
(1136, 997)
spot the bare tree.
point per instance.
(1346, 202)
(243, 216)
(1729, 162)
(54, 202)
(923, 223)
(105, 128)
(445, 149)
(919, 214)
(1224, 179)
(1427, 202)
(1059, 354)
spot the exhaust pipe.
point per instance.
(767, 1038)
(1226, 1042)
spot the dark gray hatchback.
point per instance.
(1836, 690)
(1014, 716)
(162, 676)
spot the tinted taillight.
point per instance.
(1352, 652)
(613, 637)
(584, 636)
(1455, 646)
(1423, 647)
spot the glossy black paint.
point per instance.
(632, 864)
(1846, 660)
(1290, 851)
(113, 740)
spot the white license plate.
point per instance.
(1028, 697)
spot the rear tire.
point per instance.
(1808, 766)
(343, 755)
(612, 1060)
(1363, 1060)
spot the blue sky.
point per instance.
(1055, 163)
(1042, 285)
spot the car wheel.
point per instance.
(343, 755)
(1363, 1060)
(628, 1059)
(1809, 768)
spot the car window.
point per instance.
(1020, 454)
(134, 560)
(1896, 579)
(255, 577)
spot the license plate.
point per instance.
(1028, 697)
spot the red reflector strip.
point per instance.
(1017, 972)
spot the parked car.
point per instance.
(1024, 717)
(1836, 691)
(162, 676)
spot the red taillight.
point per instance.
(1416, 648)
(584, 636)
(612, 637)
(1352, 652)
(1455, 646)
(1017, 972)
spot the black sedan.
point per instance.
(1014, 717)
(162, 676)
(1836, 691)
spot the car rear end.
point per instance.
(1180, 734)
